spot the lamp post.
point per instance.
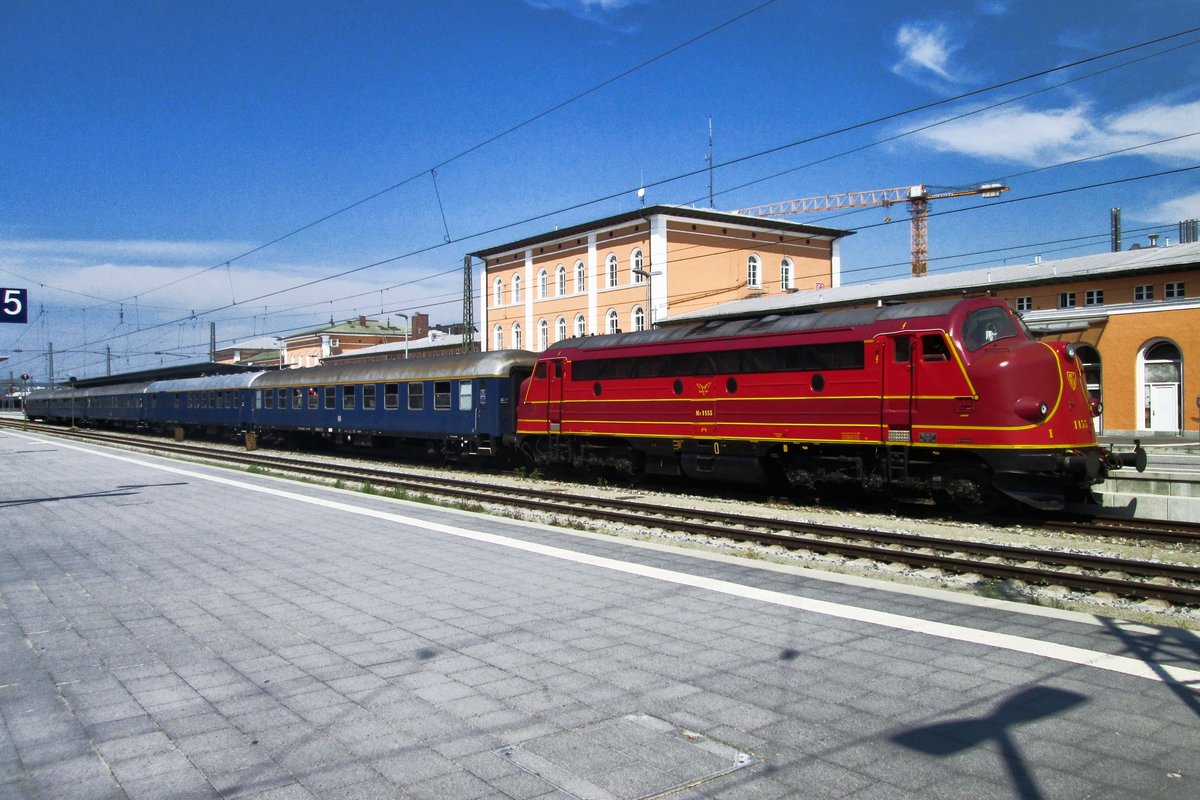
(71, 380)
(648, 275)
(407, 330)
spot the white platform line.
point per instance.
(1075, 655)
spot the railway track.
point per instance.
(1178, 584)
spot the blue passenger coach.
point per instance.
(454, 405)
(213, 403)
(119, 405)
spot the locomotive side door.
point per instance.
(897, 388)
(554, 393)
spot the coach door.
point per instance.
(897, 388)
(554, 393)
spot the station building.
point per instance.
(1135, 313)
(629, 271)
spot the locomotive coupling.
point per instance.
(1136, 459)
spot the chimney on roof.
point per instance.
(1153, 239)
(420, 325)
(362, 321)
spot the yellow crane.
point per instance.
(917, 197)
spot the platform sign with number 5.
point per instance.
(14, 305)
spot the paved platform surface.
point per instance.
(175, 631)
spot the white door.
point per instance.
(1164, 407)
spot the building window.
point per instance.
(754, 272)
(560, 329)
(1024, 304)
(543, 285)
(612, 324)
(638, 266)
(516, 336)
(580, 326)
(1066, 300)
(543, 334)
(498, 292)
(580, 277)
(516, 288)
(498, 338)
(560, 280)
(638, 318)
(1173, 291)
(786, 275)
(610, 268)
(1094, 297)
(1143, 293)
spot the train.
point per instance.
(953, 401)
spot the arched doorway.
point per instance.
(1089, 359)
(1161, 370)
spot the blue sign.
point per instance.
(14, 305)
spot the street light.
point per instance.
(648, 275)
(407, 329)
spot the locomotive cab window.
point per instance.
(933, 348)
(902, 350)
(985, 326)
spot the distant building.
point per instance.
(310, 348)
(626, 272)
(1136, 314)
(261, 350)
(439, 341)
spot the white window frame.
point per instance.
(637, 264)
(543, 284)
(611, 270)
(543, 334)
(560, 328)
(516, 288)
(498, 293)
(637, 319)
(612, 321)
(518, 344)
(580, 326)
(498, 337)
(753, 271)
(787, 275)
(580, 277)
(560, 280)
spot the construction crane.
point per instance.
(917, 197)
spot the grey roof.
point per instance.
(436, 339)
(1148, 259)
(687, 212)
(208, 382)
(460, 365)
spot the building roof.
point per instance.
(686, 212)
(258, 343)
(996, 278)
(435, 340)
(352, 327)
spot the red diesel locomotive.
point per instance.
(950, 399)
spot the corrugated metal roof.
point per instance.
(997, 278)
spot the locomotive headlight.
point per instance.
(1070, 351)
(1032, 409)
(1097, 408)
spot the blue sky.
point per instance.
(148, 147)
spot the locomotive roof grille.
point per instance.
(841, 319)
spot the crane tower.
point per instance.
(917, 197)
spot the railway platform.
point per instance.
(175, 630)
(1168, 489)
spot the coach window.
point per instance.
(220, 399)
(416, 397)
(297, 398)
(268, 397)
(464, 395)
(348, 398)
(441, 396)
(282, 398)
(391, 396)
(933, 347)
(313, 397)
(176, 400)
(330, 397)
(369, 397)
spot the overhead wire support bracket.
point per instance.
(438, 195)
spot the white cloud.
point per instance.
(599, 11)
(1180, 208)
(924, 48)
(1040, 137)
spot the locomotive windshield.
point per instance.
(987, 325)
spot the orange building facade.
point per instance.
(627, 272)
